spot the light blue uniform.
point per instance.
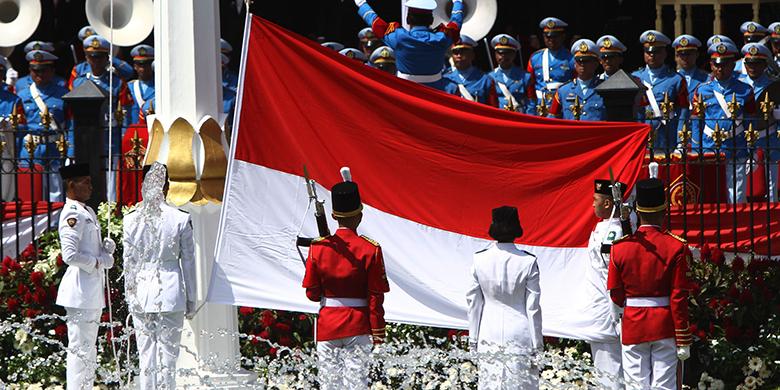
(146, 89)
(518, 83)
(476, 82)
(419, 51)
(561, 70)
(592, 103)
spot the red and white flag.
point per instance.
(430, 167)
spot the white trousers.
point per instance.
(607, 358)
(82, 353)
(158, 336)
(651, 365)
(343, 363)
(739, 191)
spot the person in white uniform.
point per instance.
(159, 264)
(505, 319)
(603, 312)
(81, 288)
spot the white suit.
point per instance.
(81, 289)
(159, 257)
(504, 313)
(604, 314)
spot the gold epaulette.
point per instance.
(684, 241)
(374, 243)
(615, 241)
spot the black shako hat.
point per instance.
(604, 187)
(650, 196)
(74, 170)
(346, 200)
(506, 224)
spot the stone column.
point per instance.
(716, 19)
(659, 21)
(756, 11)
(688, 19)
(678, 19)
(188, 82)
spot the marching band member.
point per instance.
(345, 273)
(473, 84)
(123, 69)
(81, 289)
(648, 276)
(140, 90)
(513, 83)
(660, 81)
(505, 319)
(24, 82)
(368, 41)
(578, 98)
(383, 58)
(354, 54)
(420, 50)
(716, 96)
(159, 264)
(611, 52)
(686, 51)
(552, 66)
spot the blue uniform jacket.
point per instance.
(673, 84)
(592, 103)
(133, 109)
(693, 78)
(714, 113)
(24, 82)
(561, 67)
(124, 70)
(103, 83)
(51, 94)
(518, 82)
(230, 80)
(419, 50)
(761, 86)
(479, 85)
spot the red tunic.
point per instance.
(651, 263)
(346, 265)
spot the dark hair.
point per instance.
(419, 19)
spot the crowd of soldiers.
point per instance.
(38, 124)
(561, 81)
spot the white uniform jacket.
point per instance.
(82, 248)
(604, 314)
(166, 278)
(503, 298)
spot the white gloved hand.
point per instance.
(684, 352)
(359, 2)
(109, 245)
(11, 75)
(106, 260)
(190, 311)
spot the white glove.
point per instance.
(359, 2)
(190, 311)
(684, 352)
(109, 245)
(11, 75)
(106, 260)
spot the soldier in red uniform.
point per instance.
(346, 274)
(648, 275)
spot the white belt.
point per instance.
(552, 86)
(343, 302)
(420, 78)
(41, 139)
(647, 301)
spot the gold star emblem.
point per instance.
(550, 23)
(751, 28)
(684, 42)
(350, 54)
(777, 29)
(716, 40)
(583, 47)
(650, 37)
(385, 53)
(37, 46)
(142, 51)
(95, 44)
(89, 33)
(503, 41)
(753, 50)
(38, 56)
(721, 48)
(607, 43)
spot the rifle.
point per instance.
(319, 211)
(623, 209)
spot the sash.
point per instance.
(465, 93)
(36, 95)
(546, 65)
(725, 107)
(508, 96)
(652, 101)
(137, 94)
